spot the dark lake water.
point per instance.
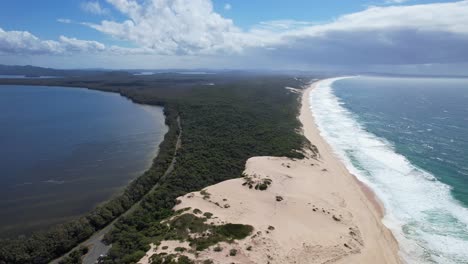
(65, 150)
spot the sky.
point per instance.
(364, 35)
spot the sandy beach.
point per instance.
(314, 211)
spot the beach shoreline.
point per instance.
(305, 117)
(312, 133)
(313, 210)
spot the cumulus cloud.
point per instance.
(94, 7)
(25, 43)
(174, 26)
(20, 42)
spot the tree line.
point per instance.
(223, 126)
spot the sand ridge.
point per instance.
(312, 211)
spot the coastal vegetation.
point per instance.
(223, 125)
(75, 256)
(199, 234)
(43, 246)
(258, 184)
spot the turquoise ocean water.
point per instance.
(407, 138)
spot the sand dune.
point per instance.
(314, 211)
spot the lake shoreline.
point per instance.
(120, 128)
(81, 227)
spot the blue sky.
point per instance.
(200, 33)
(40, 17)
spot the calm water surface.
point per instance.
(65, 150)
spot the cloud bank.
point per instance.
(430, 33)
(25, 43)
(396, 34)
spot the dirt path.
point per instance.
(94, 243)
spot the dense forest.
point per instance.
(33, 71)
(225, 119)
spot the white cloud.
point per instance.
(281, 25)
(94, 7)
(396, 1)
(19, 42)
(388, 35)
(77, 45)
(193, 27)
(227, 7)
(447, 17)
(64, 20)
(174, 27)
(25, 43)
(416, 34)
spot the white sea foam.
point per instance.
(430, 225)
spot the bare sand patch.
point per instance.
(303, 211)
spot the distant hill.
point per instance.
(33, 71)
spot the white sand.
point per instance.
(325, 215)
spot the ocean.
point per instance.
(65, 150)
(407, 139)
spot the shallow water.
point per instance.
(65, 150)
(407, 138)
